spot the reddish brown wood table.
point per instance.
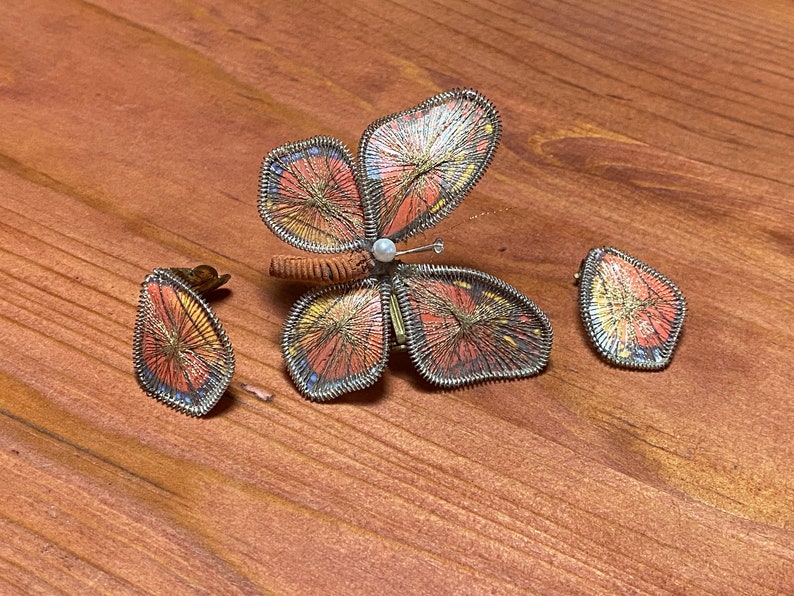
(131, 138)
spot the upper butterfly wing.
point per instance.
(632, 312)
(416, 166)
(181, 353)
(336, 338)
(464, 326)
(309, 197)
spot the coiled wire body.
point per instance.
(325, 269)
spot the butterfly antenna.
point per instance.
(437, 247)
(473, 217)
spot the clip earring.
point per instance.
(632, 313)
(181, 353)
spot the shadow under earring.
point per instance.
(632, 313)
(181, 353)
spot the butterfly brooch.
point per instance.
(459, 325)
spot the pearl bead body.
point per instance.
(384, 250)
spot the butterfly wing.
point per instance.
(632, 313)
(416, 166)
(464, 326)
(181, 353)
(336, 338)
(309, 197)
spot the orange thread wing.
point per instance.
(309, 197)
(336, 338)
(418, 165)
(464, 326)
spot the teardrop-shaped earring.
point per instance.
(181, 353)
(632, 313)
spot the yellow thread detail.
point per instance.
(315, 311)
(439, 204)
(464, 177)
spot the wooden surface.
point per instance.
(131, 136)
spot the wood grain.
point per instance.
(132, 135)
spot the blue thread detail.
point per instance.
(312, 380)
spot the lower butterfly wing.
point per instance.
(181, 353)
(632, 313)
(309, 197)
(464, 326)
(336, 338)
